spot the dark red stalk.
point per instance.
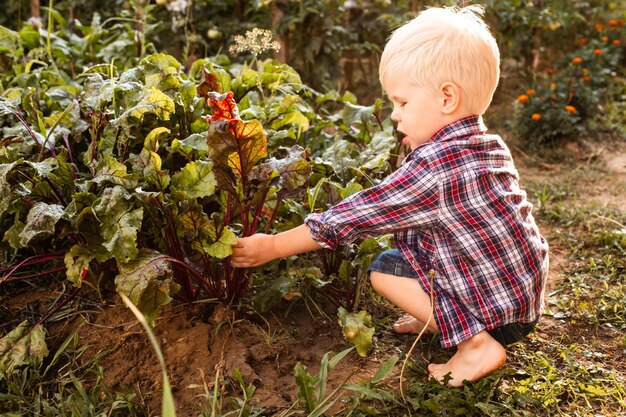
(31, 132)
(38, 274)
(33, 260)
(279, 200)
(69, 152)
(56, 192)
(257, 214)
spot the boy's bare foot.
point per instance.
(409, 324)
(474, 359)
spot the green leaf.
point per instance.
(12, 235)
(294, 170)
(276, 75)
(385, 369)
(351, 188)
(374, 245)
(192, 147)
(79, 202)
(247, 79)
(187, 93)
(192, 222)
(594, 390)
(357, 329)
(119, 223)
(30, 37)
(5, 187)
(113, 204)
(266, 298)
(163, 73)
(153, 101)
(121, 239)
(377, 153)
(155, 137)
(148, 165)
(98, 92)
(147, 282)
(114, 172)
(222, 244)
(306, 387)
(161, 63)
(45, 167)
(195, 180)
(76, 261)
(360, 119)
(22, 346)
(40, 222)
(62, 174)
(295, 118)
(9, 39)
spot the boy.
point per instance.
(454, 206)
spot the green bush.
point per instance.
(567, 100)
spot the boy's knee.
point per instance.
(376, 279)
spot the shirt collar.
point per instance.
(468, 126)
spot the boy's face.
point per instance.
(417, 110)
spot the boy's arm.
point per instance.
(260, 248)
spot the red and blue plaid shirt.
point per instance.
(455, 207)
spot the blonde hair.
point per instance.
(446, 45)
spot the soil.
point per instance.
(203, 340)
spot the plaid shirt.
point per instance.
(455, 207)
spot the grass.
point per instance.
(65, 385)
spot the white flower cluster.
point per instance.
(255, 41)
(177, 6)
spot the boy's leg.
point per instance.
(407, 294)
(475, 357)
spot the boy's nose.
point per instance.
(394, 116)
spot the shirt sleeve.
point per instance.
(406, 199)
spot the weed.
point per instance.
(595, 292)
(219, 402)
(564, 378)
(65, 385)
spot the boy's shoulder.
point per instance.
(454, 153)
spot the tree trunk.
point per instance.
(277, 15)
(35, 9)
(533, 62)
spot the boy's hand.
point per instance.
(253, 251)
(259, 249)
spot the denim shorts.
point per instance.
(392, 262)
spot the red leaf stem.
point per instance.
(33, 260)
(38, 274)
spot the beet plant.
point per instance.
(136, 176)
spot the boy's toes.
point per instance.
(408, 324)
(439, 371)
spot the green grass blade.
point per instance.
(167, 409)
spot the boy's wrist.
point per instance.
(274, 247)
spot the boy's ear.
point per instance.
(450, 95)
